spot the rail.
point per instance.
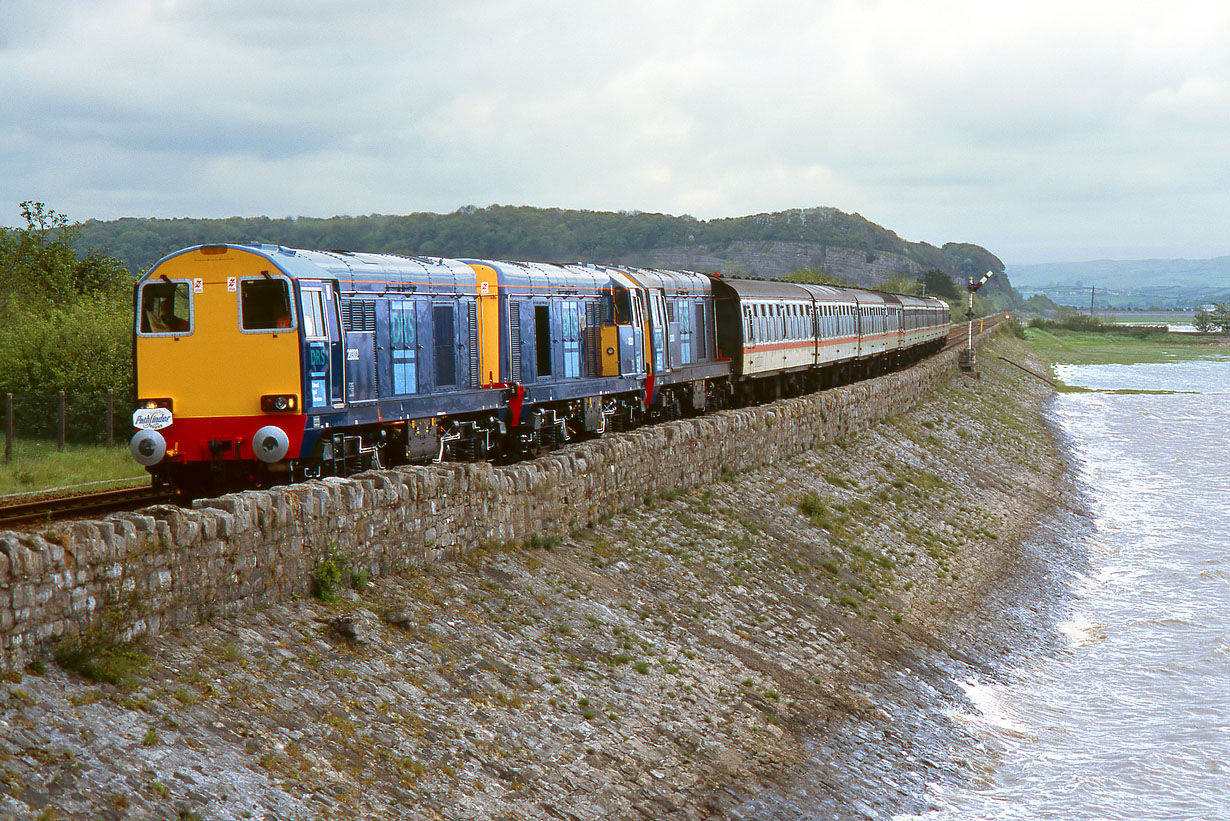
(44, 510)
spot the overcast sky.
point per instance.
(1047, 130)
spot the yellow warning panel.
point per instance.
(487, 288)
(610, 350)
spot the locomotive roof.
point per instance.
(363, 271)
(673, 282)
(546, 277)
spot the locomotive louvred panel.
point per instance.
(473, 318)
(593, 338)
(514, 326)
(359, 315)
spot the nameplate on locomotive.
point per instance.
(152, 418)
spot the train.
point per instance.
(257, 364)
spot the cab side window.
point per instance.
(313, 308)
(165, 308)
(264, 305)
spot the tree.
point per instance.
(940, 284)
(1202, 321)
(1221, 316)
(65, 320)
(38, 266)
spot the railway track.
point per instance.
(959, 334)
(27, 512)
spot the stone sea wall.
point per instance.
(165, 567)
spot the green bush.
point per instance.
(329, 574)
(84, 346)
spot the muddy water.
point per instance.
(1127, 716)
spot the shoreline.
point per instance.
(681, 660)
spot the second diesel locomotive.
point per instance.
(256, 364)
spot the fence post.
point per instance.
(110, 419)
(63, 422)
(8, 428)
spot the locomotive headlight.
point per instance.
(149, 404)
(148, 447)
(270, 444)
(279, 403)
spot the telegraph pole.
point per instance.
(967, 356)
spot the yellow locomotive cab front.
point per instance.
(216, 358)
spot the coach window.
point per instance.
(166, 308)
(264, 305)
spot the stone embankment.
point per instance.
(668, 624)
(166, 567)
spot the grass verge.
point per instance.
(38, 465)
(1109, 348)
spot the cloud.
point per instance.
(1034, 127)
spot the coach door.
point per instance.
(322, 343)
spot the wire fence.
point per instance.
(65, 418)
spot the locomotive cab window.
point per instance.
(313, 306)
(166, 308)
(623, 306)
(264, 305)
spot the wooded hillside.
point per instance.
(764, 245)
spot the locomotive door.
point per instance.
(322, 343)
(447, 344)
(630, 329)
(359, 327)
(657, 329)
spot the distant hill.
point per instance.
(1143, 273)
(761, 245)
(1164, 283)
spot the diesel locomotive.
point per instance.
(259, 364)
